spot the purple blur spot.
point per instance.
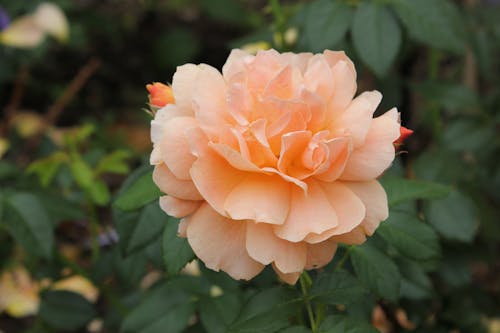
(4, 19)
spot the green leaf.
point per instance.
(47, 168)
(66, 310)
(438, 23)
(176, 250)
(468, 135)
(400, 190)
(82, 173)
(415, 284)
(338, 287)
(60, 208)
(296, 329)
(99, 192)
(116, 162)
(267, 311)
(376, 270)
(450, 95)
(216, 313)
(376, 36)
(29, 224)
(326, 24)
(164, 309)
(454, 217)
(148, 227)
(410, 236)
(141, 191)
(345, 324)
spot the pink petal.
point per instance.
(319, 255)
(284, 85)
(220, 243)
(353, 237)
(318, 77)
(235, 63)
(171, 185)
(349, 209)
(339, 150)
(345, 86)
(290, 278)
(292, 146)
(209, 100)
(174, 146)
(177, 207)
(309, 213)
(182, 86)
(370, 160)
(215, 178)
(356, 119)
(260, 198)
(265, 247)
(375, 200)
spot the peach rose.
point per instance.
(273, 161)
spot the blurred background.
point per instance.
(73, 136)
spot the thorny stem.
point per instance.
(305, 282)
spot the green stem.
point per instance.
(343, 259)
(305, 281)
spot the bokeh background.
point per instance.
(74, 136)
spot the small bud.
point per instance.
(160, 94)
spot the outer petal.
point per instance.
(309, 213)
(319, 255)
(235, 63)
(290, 278)
(182, 86)
(318, 77)
(355, 237)
(265, 247)
(345, 86)
(215, 178)
(356, 119)
(175, 149)
(209, 100)
(169, 184)
(375, 200)
(349, 209)
(177, 207)
(220, 243)
(261, 198)
(370, 160)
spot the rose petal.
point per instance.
(177, 207)
(356, 119)
(209, 100)
(215, 178)
(182, 86)
(263, 246)
(319, 255)
(174, 146)
(171, 185)
(220, 243)
(370, 160)
(374, 199)
(290, 278)
(260, 198)
(348, 207)
(309, 213)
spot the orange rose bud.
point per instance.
(404, 133)
(160, 94)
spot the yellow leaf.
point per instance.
(18, 293)
(253, 48)
(4, 146)
(80, 285)
(27, 124)
(23, 32)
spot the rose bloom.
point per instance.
(273, 161)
